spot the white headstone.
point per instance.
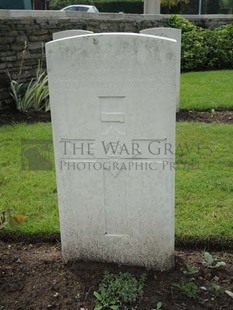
(69, 33)
(113, 100)
(175, 34)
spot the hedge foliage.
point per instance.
(203, 49)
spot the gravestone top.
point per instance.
(175, 34)
(166, 30)
(69, 33)
(113, 115)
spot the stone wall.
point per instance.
(24, 33)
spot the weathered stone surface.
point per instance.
(5, 28)
(22, 38)
(2, 66)
(8, 58)
(35, 45)
(26, 21)
(12, 33)
(69, 33)
(115, 91)
(17, 47)
(24, 54)
(4, 47)
(4, 81)
(176, 35)
(7, 39)
(39, 38)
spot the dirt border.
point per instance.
(221, 116)
(218, 116)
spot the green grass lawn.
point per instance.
(207, 90)
(204, 181)
(32, 193)
(204, 186)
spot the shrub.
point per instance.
(36, 95)
(203, 49)
(119, 289)
(193, 50)
(220, 43)
(33, 96)
(176, 21)
(193, 47)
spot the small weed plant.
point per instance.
(103, 300)
(117, 290)
(209, 261)
(190, 269)
(78, 296)
(9, 217)
(189, 289)
(215, 290)
(158, 306)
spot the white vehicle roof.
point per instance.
(89, 7)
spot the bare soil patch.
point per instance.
(34, 277)
(206, 116)
(14, 117)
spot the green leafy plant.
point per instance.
(9, 217)
(203, 49)
(103, 300)
(189, 289)
(209, 261)
(78, 296)
(116, 290)
(177, 21)
(36, 95)
(190, 269)
(33, 96)
(220, 41)
(215, 289)
(158, 306)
